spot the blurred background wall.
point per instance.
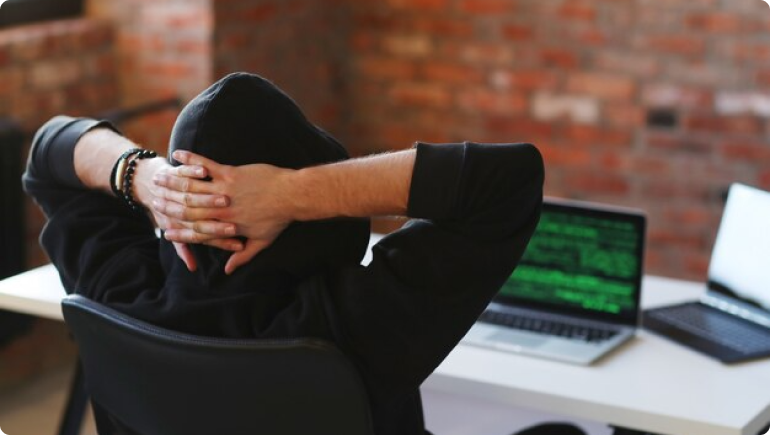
(656, 104)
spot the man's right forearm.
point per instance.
(474, 183)
(371, 186)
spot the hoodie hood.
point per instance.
(244, 119)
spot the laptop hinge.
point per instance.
(743, 311)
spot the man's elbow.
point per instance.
(531, 165)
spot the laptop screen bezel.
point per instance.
(637, 218)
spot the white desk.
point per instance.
(650, 384)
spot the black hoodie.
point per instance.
(476, 207)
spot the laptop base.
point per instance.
(669, 322)
(542, 346)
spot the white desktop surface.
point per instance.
(37, 292)
(649, 384)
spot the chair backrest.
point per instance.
(161, 382)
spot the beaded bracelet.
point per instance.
(119, 170)
(123, 175)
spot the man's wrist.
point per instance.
(95, 154)
(143, 184)
(297, 189)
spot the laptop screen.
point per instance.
(583, 259)
(739, 261)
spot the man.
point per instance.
(300, 210)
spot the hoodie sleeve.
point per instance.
(101, 248)
(475, 207)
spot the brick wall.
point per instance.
(298, 44)
(658, 105)
(163, 50)
(49, 69)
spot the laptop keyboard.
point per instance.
(549, 327)
(723, 329)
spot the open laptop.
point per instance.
(731, 322)
(575, 293)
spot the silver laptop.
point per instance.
(575, 294)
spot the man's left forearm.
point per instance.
(96, 153)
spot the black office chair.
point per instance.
(160, 382)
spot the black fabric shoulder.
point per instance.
(51, 157)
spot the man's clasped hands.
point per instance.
(241, 209)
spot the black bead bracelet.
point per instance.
(123, 175)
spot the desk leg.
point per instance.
(72, 420)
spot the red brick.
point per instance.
(747, 51)
(678, 143)
(598, 183)
(373, 20)
(419, 5)
(624, 115)
(574, 10)
(696, 265)
(192, 46)
(593, 37)
(362, 42)
(378, 68)
(589, 136)
(715, 22)
(54, 74)
(29, 48)
(142, 42)
(478, 52)
(99, 36)
(490, 102)
(515, 32)
(692, 216)
(443, 27)
(764, 179)
(696, 73)
(234, 40)
(401, 136)
(763, 77)
(746, 125)
(565, 156)
(559, 58)
(653, 166)
(101, 66)
(672, 238)
(408, 45)
(519, 128)
(12, 80)
(173, 69)
(640, 165)
(676, 44)
(419, 94)
(604, 86)
(452, 73)
(526, 79)
(757, 152)
(5, 56)
(669, 190)
(258, 13)
(487, 6)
